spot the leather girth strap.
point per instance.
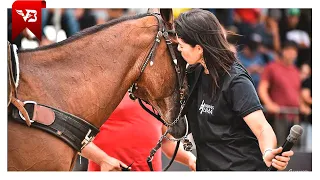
(73, 130)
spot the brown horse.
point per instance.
(87, 75)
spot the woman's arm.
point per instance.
(267, 140)
(262, 130)
(306, 95)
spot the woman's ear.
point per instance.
(199, 49)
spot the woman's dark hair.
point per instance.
(201, 27)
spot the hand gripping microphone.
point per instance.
(295, 133)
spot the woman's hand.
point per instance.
(273, 108)
(280, 162)
(112, 164)
(192, 162)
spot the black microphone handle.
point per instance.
(286, 147)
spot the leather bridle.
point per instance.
(163, 32)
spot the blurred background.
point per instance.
(262, 37)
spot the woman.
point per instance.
(224, 111)
(127, 137)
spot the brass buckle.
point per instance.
(86, 139)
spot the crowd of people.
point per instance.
(274, 45)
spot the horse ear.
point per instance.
(153, 10)
(167, 16)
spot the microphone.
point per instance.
(295, 133)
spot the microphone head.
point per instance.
(295, 133)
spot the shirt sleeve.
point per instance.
(243, 96)
(306, 84)
(266, 74)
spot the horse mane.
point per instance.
(85, 32)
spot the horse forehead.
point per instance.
(148, 20)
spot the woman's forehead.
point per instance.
(181, 41)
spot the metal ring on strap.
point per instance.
(27, 102)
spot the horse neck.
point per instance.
(89, 76)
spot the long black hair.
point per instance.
(201, 27)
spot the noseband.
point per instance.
(162, 31)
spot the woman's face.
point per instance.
(190, 54)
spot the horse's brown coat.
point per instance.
(88, 77)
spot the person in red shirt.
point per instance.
(249, 16)
(127, 137)
(280, 88)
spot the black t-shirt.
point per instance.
(223, 139)
(307, 84)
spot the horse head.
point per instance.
(163, 83)
(88, 74)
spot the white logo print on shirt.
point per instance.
(206, 108)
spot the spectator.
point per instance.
(272, 31)
(290, 30)
(305, 71)
(251, 59)
(250, 21)
(225, 16)
(100, 15)
(85, 17)
(115, 13)
(306, 117)
(134, 11)
(280, 87)
(247, 16)
(66, 18)
(127, 137)
(60, 18)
